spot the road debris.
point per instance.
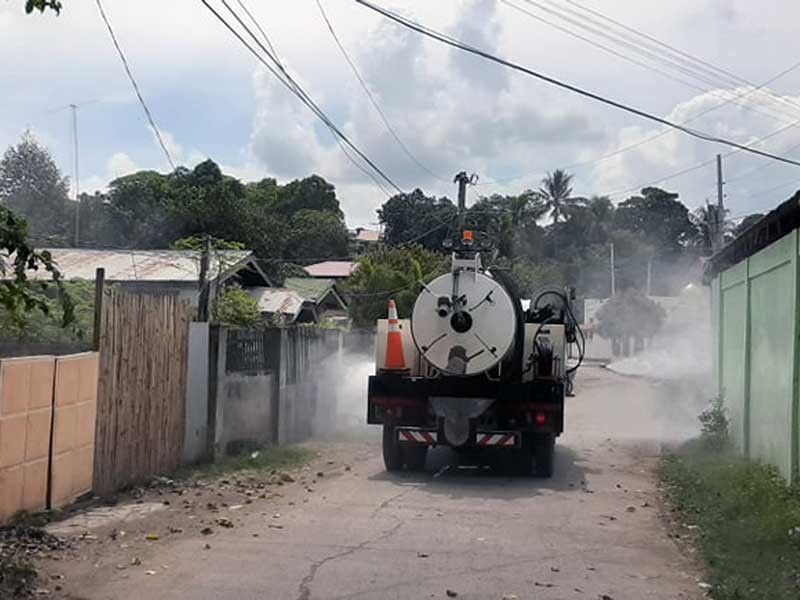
(223, 522)
(136, 561)
(152, 537)
(206, 531)
(422, 555)
(631, 509)
(451, 593)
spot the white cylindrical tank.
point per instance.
(464, 323)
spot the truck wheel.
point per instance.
(392, 456)
(415, 457)
(544, 447)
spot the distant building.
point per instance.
(302, 300)
(158, 271)
(332, 269)
(366, 239)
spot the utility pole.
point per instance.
(462, 179)
(613, 274)
(649, 275)
(203, 298)
(74, 108)
(719, 217)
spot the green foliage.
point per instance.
(48, 325)
(556, 191)
(197, 243)
(32, 186)
(746, 517)
(390, 273)
(42, 5)
(234, 306)
(714, 425)
(630, 314)
(659, 217)
(417, 217)
(19, 296)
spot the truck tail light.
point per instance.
(541, 418)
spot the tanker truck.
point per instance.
(472, 370)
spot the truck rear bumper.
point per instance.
(421, 436)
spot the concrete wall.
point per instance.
(285, 402)
(195, 441)
(75, 405)
(26, 396)
(47, 426)
(755, 315)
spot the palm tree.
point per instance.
(556, 191)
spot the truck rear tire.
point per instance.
(392, 453)
(544, 447)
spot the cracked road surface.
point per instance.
(593, 531)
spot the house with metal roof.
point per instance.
(332, 269)
(158, 271)
(301, 300)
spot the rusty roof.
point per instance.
(143, 265)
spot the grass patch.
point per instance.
(266, 459)
(746, 517)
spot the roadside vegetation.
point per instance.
(746, 519)
(266, 459)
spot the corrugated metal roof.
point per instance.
(139, 265)
(332, 268)
(310, 288)
(277, 300)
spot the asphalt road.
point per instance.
(593, 531)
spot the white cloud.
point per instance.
(453, 111)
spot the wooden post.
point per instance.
(203, 299)
(99, 284)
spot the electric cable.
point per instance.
(433, 34)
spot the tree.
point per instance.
(316, 234)
(18, 295)
(510, 221)
(630, 314)
(197, 243)
(556, 191)
(659, 217)
(415, 216)
(707, 221)
(233, 306)
(42, 5)
(390, 273)
(311, 193)
(140, 206)
(32, 186)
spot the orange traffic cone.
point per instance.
(395, 361)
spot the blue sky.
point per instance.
(211, 99)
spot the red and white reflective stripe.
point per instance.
(496, 439)
(416, 436)
(394, 322)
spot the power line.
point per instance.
(273, 55)
(289, 82)
(602, 31)
(135, 85)
(371, 97)
(433, 34)
(678, 53)
(652, 138)
(704, 163)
